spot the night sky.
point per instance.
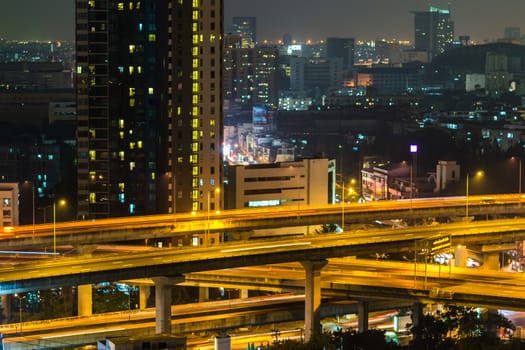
(304, 19)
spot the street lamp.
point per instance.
(20, 298)
(413, 169)
(60, 202)
(478, 174)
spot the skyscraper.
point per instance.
(434, 31)
(247, 28)
(149, 106)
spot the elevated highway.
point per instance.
(108, 231)
(62, 271)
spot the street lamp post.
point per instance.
(20, 298)
(61, 202)
(479, 173)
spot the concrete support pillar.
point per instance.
(491, 261)
(244, 293)
(204, 294)
(460, 256)
(163, 303)
(85, 292)
(144, 293)
(312, 291)
(490, 318)
(417, 318)
(362, 316)
(84, 300)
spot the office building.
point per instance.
(246, 27)
(313, 75)
(304, 182)
(149, 106)
(8, 205)
(341, 48)
(434, 31)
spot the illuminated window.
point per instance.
(120, 6)
(141, 26)
(195, 99)
(195, 39)
(139, 69)
(179, 110)
(195, 3)
(131, 91)
(131, 5)
(179, 160)
(195, 171)
(195, 63)
(139, 144)
(132, 145)
(212, 122)
(195, 123)
(195, 194)
(212, 38)
(131, 70)
(131, 48)
(132, 102)
(121, 186)
(195, 111)
(121, 135)
(152, 37)
(195, 15)
(131, 166)
(121, 155)
(194, 159)
(195, 51)
(91, 3)
(195, 87)
(195, 75)
(195, 135)
(92, 155)
(195, 206)
(195, 27)
(121, 123)
(150, 91)
(92, 175)
(92, 197)
(195, 147)
(153, 175)
(79, 70)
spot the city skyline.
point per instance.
(482, 20)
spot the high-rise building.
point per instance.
(251, 76)
(341, 48)
(434, 31)
(246, 27)
(149, 106)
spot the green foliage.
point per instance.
(458, 327)
(109, 298)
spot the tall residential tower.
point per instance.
(149, 106)
(434, 31)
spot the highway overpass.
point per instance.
(139, 229)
